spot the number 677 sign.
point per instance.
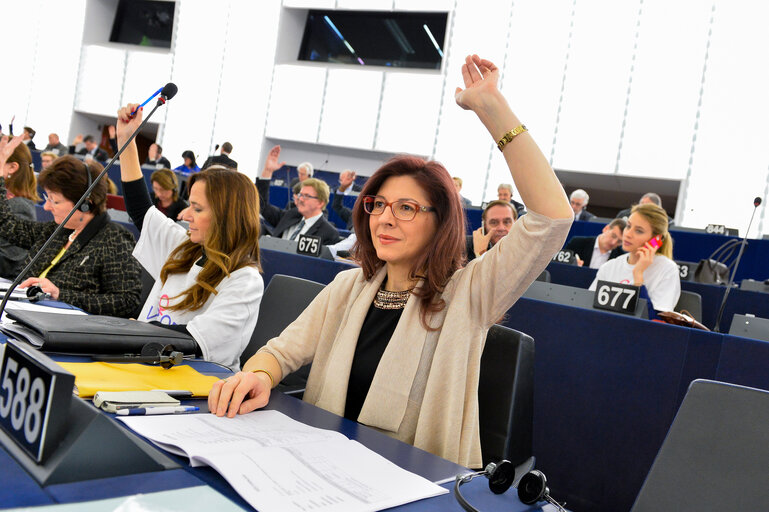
(617, 297)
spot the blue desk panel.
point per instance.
(297, 265)
(606, 391)
(744, 361)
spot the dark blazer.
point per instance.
(99, 154)
(583, 247)
(220, 160)
(284, 219)
(586, 216)
(344, 213)
(519, 208)
(162, 161)
(97, 273)
(31, 145)
(173, 210)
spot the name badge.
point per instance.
(617, 297)
(308, 245)
(35, 395)
(567, 257)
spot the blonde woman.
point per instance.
(648, 261)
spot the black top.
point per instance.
(173, 210)
(375, 334)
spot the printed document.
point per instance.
(279, 464)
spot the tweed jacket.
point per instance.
(425, 389)
(97, 273)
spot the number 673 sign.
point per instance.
(617, 297)
(35, 394)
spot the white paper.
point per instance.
(279, 464)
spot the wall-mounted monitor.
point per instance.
(366, 38)
(144, 23)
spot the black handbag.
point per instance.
(714, 270)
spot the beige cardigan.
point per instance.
(425, 389)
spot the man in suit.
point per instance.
(223, 158)
(55, 145)
(505, 193)
(155, 157)
(649, 197)
(307, 218)
(497, 220)
(26, 137)
(594, 251)
(304, 170)
(91, 148)
(579, 200)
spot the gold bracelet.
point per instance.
(509, 136)
(272, 381)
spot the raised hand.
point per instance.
(346, 178)
(271, 163)
(7, 147)
(481, 77)
(78, 139)
(127, 124)
(111, 131)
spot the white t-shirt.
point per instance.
(223, 326)
(661, 279)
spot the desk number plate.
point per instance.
(568, 257)
(617, 297)
(309, 245)
(34, 399)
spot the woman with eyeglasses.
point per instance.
(89, 263)
(396, 344)
(207, 280)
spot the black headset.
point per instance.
(86, 206)
(531, 488)
(153, 353)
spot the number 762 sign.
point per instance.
(617, 297)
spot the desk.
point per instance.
(20, 489)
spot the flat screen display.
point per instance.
(144, 23)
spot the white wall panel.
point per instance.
(462, 144)
(310, 4)
(666, 82)
(368, 5)
(197, 63)
(409, 114)
(423, 5)
(596, 86)
(246, 77)
(100, 82)
(52, 92)
(17, 56)
(295, 102)
(145, 73)
(350, 108)
(532, 74)
(731, 155)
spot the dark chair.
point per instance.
(691, 302)
(750, 327)
(284, 299)
(506, 398)
(715, 454)
(544, 277)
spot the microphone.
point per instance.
(743, 243)
(166, 93)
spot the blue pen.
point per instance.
(149, 411)
(147, 101)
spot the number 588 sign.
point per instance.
(34, 398)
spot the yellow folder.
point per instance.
(93, 377)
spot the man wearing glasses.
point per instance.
(307, 218)
(497, 219)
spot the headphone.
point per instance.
(152, 353)
(531, 488)
(35, 293)
(86, 206)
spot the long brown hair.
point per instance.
(232, 240)
(22, 183)
(445, 254)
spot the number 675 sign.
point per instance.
(617, 297)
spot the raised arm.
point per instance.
(534, 178)
(137, 197)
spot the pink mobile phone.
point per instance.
(656, 242)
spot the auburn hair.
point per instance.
(444, 255)
(67, 176)
(232, 240)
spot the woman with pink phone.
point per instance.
(649, 259)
